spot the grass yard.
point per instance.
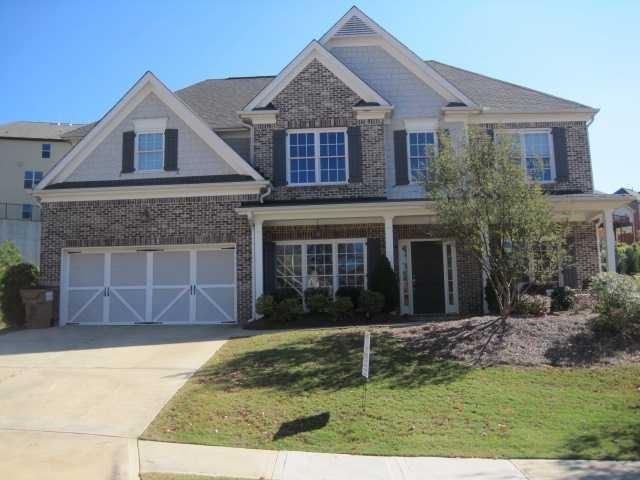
(302, 390)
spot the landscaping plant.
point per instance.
(485, 202)
(563, 298)
(385, 281)
(9, 255)
(371, 303)
(352, 292)
(617, 303)
(265, 306)
(15, 278)
(342, 308)
(532, 305)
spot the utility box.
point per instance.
(38, 307)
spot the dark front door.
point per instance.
(428, 277)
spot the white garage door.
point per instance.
(177, 286)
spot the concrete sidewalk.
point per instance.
(284, 465)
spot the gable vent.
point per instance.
(354, 26)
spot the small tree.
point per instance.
(385, 281)
(9, 255)
(485, 202)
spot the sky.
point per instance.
(70, 61)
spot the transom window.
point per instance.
(422, 149)
(317, 157)
(150, 151)
(328, 264)
(534, 151)
(32, 178)
(46, 150)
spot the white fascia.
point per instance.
(147, 84)
(147, 191)
(313, 51)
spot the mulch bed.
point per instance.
(564, 339)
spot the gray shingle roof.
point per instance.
(218, 101)
(39, 130)
(499, 96)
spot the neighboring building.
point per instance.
(626, 219)
(185, 207)
(27, 151)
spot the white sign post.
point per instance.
(365, 367)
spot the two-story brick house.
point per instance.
(185, 207)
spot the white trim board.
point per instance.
(147, 84)
(400, 52)
(314, 51)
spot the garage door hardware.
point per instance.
(106, 292)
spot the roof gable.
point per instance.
(356, 28)
(314, 51)
(147, 84)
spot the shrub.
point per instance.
(288, 310)
(265, 305)
(280, 294)
(16, 277)
(371, 303)
(342, 307)
(534, 305)
(310, 292)
(617, 302)
(563, 298)
(319, 303)
(385, 281)
(352, 292)
(628, 259)
(9, 255)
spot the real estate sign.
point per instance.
(366, 354)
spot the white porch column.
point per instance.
(611, 241)
(258, 280)
(388, 239)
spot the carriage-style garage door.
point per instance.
(177, 286)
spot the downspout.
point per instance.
(262, 196)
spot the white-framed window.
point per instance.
(328, 264)
(421, 148)
(533, 149)
(46, 150)
(317, 156)
(32, 178)
(150, 151)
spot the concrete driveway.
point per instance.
(74, 399)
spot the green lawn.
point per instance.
(302, 390)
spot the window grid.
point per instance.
(450, 290)
(332, 157)
(421, 152)
(329, 264)
(302, 157)
(289, 267)
(532, 151)
(351, 265)
(32, 178)
(150, 151)
(46, 150)
(320, 266)
(27, 211)
(318, 157)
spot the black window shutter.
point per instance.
(373, 257)
(355, 154)
(268, 266)
(559, 135)
(400, 154)
(171, 149)
(128, 139)
(279, 157)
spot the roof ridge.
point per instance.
(511, 83)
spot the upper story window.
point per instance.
(27, 211)
(422, 149)
(150, 151)
(31, 178)
(46, 150)
(533, 149)
(315, 157)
